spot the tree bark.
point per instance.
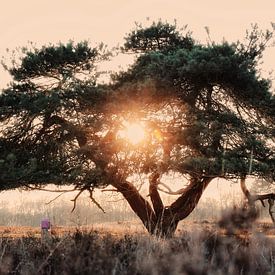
(169, 217)
(251, 199)
(186, 203)
(154, 194)
(165, 223)
(159, 220)
(139, 205)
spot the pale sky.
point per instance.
(108, 21)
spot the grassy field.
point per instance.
(197, 248)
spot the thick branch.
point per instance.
(154, 194)
(253, 198)
(186, 203)
(271, 203)
(138, 204)
(244, 189)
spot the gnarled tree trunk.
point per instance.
(139, 205)
(162, 220)
(159, 220)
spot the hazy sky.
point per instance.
(109, 20)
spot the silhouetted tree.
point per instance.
(206, 111)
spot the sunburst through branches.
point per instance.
(133, 132)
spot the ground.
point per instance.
(132, 227)
(125, 248)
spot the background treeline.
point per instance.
(30, 213)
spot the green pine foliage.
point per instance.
(210, 107)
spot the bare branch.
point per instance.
(109, 190)
(76, 197)
(27, 186)
(95, 202)
(179, 192)
(170, 191)
(55, 198)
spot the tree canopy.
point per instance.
(205, 112)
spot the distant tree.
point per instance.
(205, 110)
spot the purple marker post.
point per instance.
(45, 226)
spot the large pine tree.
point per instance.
(205, 110)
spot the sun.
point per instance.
(133, 132)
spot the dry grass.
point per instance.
(134, 227)
(112, 228)
(196, 249)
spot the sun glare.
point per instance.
(133, 132)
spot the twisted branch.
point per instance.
(251, 199)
